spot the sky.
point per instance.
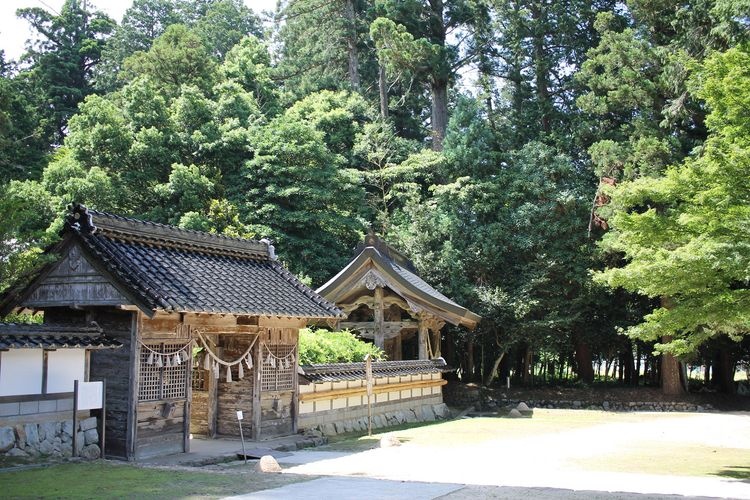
(14, 32)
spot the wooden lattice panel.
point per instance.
(165, 382)
(278, 378)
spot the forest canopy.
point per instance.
(576, 172)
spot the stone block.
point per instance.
(411, 417)
(29, 407)
(9, 409)
(46, 447)
(48, 430)
(80, 442)
(90, 452)
(329, 430)
(7, 439)
(67, 427)
(427, 413)
(88, 423)
(442, 411)
(20, 435)
(91, 436)
(47, 406)
(64, 405)
(32, 434)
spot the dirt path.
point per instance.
(569, 459)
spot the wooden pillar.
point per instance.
(257, 373)
(436, 342)
(397, 349)
(213, 395)
(422, 333)
(379, 319)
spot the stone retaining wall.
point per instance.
(463, 396)
(665, 406)
(337, 422)
(52, 438)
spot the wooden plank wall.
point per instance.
(276, 413)
(199, 413)
(238, 394)
(162, 425)
(113, 365)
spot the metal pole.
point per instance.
(74, 452)
(368, 374)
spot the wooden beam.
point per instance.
(362, 391)
(423, 332)
(379, 319)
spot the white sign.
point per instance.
(239, 415)
(89, 395)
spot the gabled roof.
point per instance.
(336, 372)
(161, 267)
(376, 256)
(23, 336)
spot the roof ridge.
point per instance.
(87, 220)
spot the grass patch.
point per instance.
(123, 480)
(675, 459)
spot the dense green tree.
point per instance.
(63, 56)
(683, 234)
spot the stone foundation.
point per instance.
(338, 422)
(50, 439)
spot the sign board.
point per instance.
(90, 395)
(239, 415)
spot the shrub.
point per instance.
(322, 346)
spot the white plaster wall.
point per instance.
(63, 367)
(21, 372)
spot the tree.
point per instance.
(682, 233)
(64, 57)
(297, 193)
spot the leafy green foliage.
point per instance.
(317, 346)
(684, 234)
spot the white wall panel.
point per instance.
(21, 372)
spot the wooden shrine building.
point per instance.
(209, 325)
(387, 302)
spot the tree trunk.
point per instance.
(470, 359)
(583, 361)
(670, 373)
(637, 374)
(439, 113)
(725, 370)
(541, 65)
(491, 375)
(351, 41)
(383, 88)
(528, 359)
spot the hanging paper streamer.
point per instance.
(216, 370)
(159, 363)
(150, 358)
(206, 362)
(241, 373)
(177, 361)
(184, 356)
(249, 361)
(229, 373)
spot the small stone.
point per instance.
(80, 441)
(267, 464)
(329, 430)
(577, 404)
(89, 423)
(7, 439)
(91, 436)
(47, 430)
(514, 413)
(605, 405)
(314, 432)
(90, 452)
(522, 407)
(389, 442)
(17, 452)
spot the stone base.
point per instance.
(36, 441)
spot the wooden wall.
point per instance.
(113, 365)
(238, 394)
(199, 413)
(162, 425)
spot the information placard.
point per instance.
(89, 395)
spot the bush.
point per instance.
(321, 346)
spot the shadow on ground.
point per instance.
(735, 472)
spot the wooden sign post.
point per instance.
(88, 396)
(368, 374)
(242, 438)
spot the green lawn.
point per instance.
(122, 480)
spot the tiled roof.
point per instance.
(356, 371)
(163, 267)
(400, 276)
(18, 336)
